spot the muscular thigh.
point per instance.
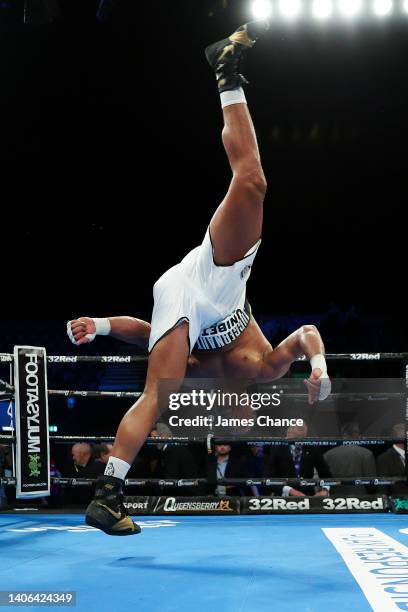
(168, 359)
(237, 223)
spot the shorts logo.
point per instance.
(245, 272)
(224, 332)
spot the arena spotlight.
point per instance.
(322, 9)
(289, 8)
(382, 8)
(261, 9)
(349, 8)
(405, 7)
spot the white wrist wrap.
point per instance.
(102, 328)
(318, 361)
(70, 334)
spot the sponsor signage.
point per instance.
(378, 563)
(31, 411)
(313, 505)
(163, 505)
(182, 505)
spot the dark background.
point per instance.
(111, 161)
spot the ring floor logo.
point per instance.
(378, 563)
(85, 528)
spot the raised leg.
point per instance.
(237, 223)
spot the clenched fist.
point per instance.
(81, 331)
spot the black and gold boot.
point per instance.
(107, 512)
(225, 56)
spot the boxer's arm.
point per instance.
(127, 329)
(130, 330)
(305, 341)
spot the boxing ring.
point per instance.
(233, 560)
(234, 563)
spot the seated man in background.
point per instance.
(297, 461)
(351, 461)
(174, 462)
(102, 452)
(223, 464)
(392, 462)
(255, 466)
(83, 465)
(255, 460)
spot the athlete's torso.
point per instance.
(244, 358)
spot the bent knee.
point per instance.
(307, 329)
(254, 180)
(160, 392)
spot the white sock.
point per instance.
(233, 96)
(117, 468)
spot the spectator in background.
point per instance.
(224, 465)
(161, 430)
(102, 452)
(173, 462)
(255, 462)
(83, 463)
(255, 465)
(54, 473)
(154, 451)
(392, 462)
(351, 461)
(297, 461)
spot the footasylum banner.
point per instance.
(32, 443)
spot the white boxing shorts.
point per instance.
(210, 298)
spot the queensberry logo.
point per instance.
(171, 504)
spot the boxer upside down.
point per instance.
(201, 322)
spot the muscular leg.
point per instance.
(167, 360)
(237, 223)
